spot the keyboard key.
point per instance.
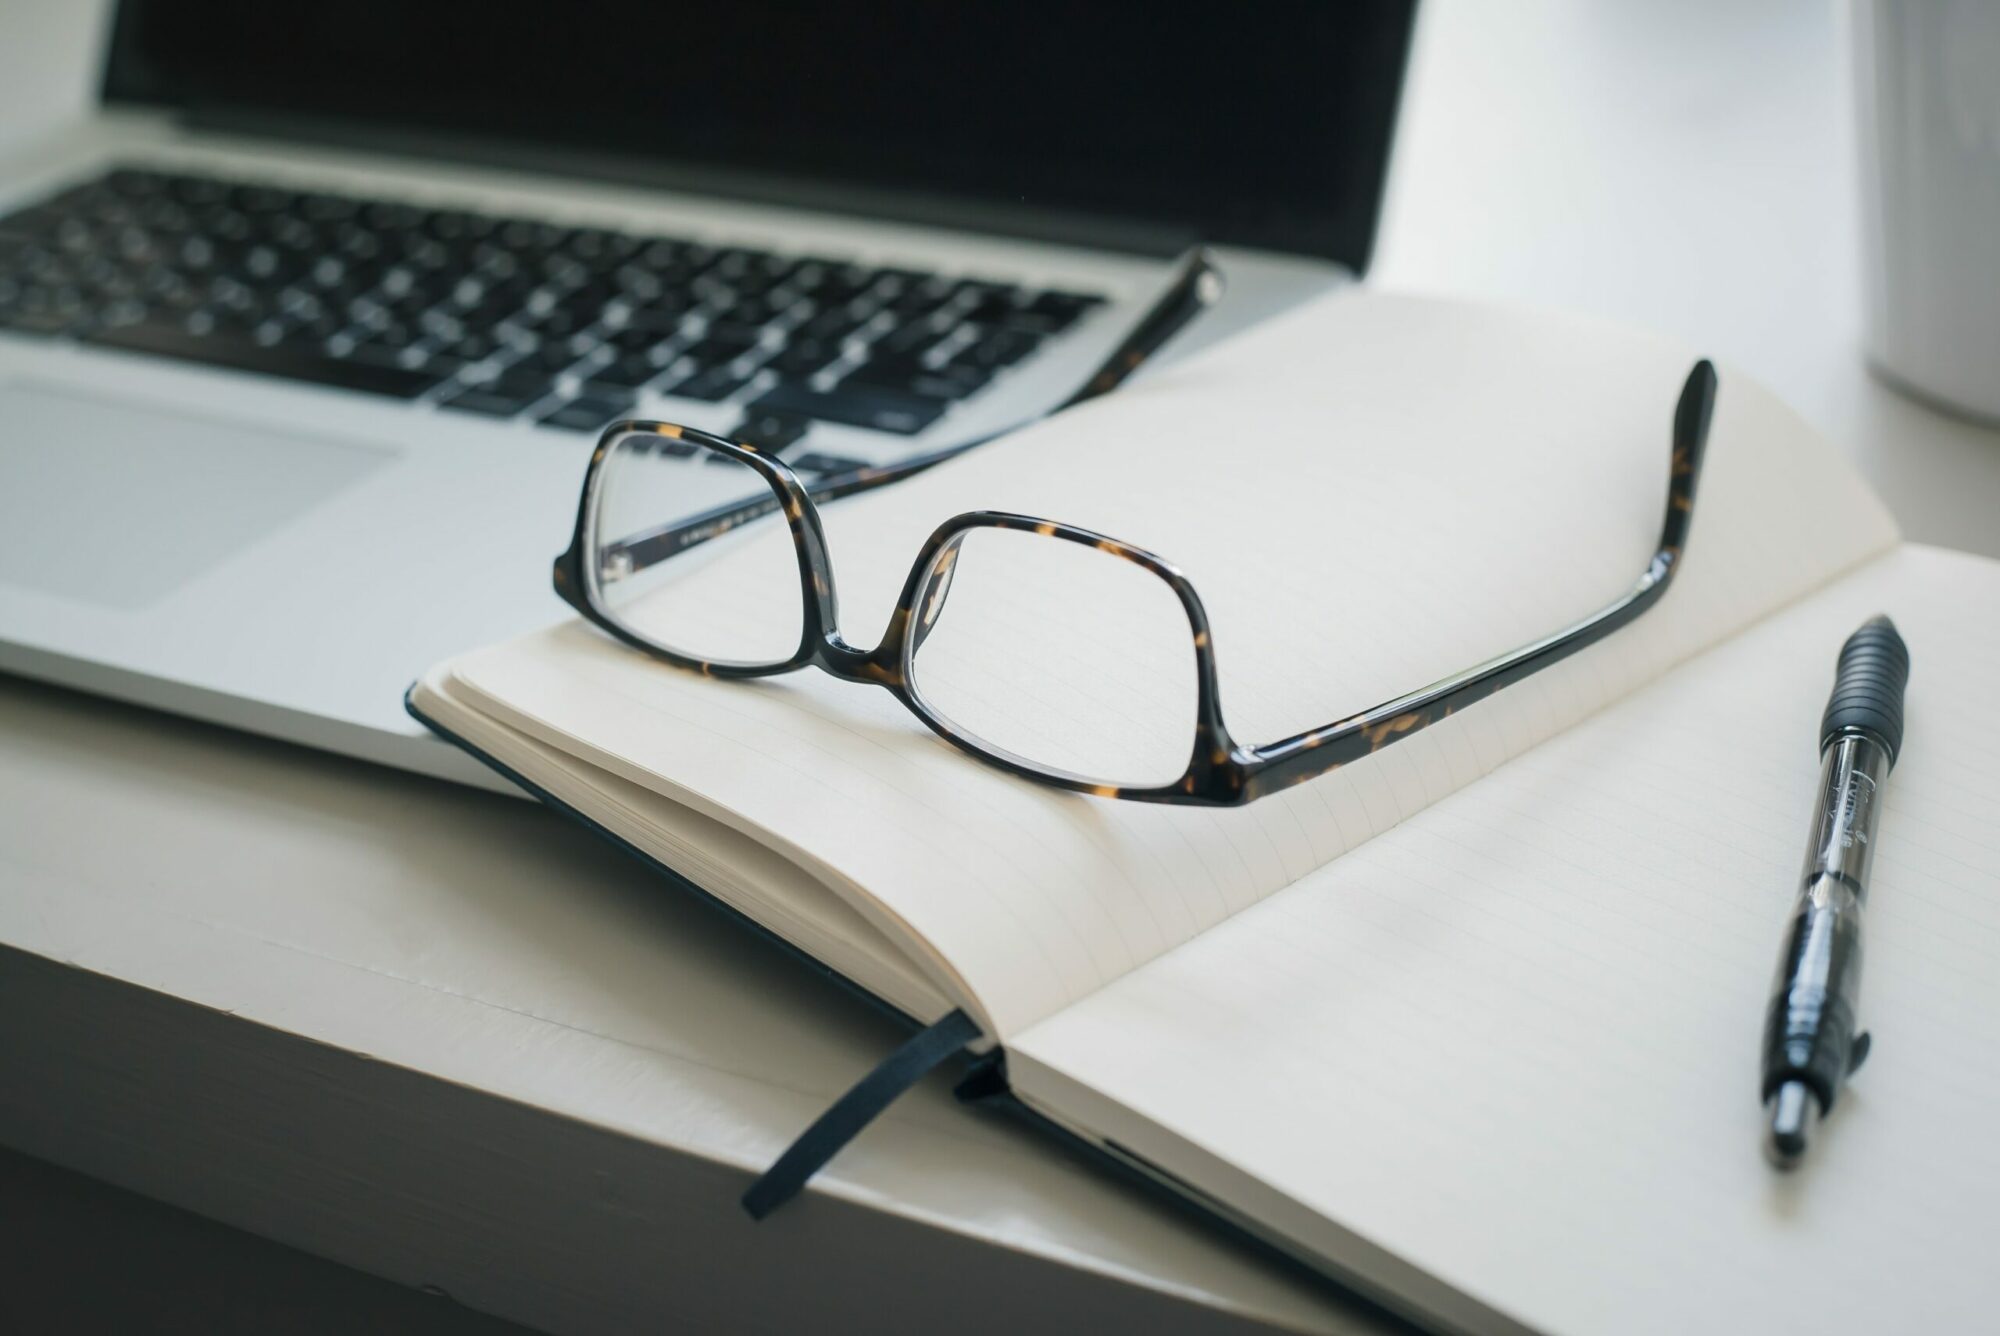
(526, 234)
(491, 402)
(516, 382)
(242, 354)
(597, 245)
(978, 289)
(802, 357)
(717, 349)
(732, 262)
(630, 371)
(833, 285)
(588, 412)
(459, 224)
(854, 406)
(439, 366)
(657, 320)
(989, 303)
(752, 285)
(909, 375)
(473, 347)
(770, 432)
(555, 356)
(834, 326)
(1061, 309)
(919, 299)
(554, 323)
(757, 312)
(661, 257)
(391, 337)
(918, 337)
(635, 339)
(712, 385)
(729, 329)
(597, 389)
(1003, 347)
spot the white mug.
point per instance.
(1927, 83)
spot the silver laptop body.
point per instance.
(250, 474)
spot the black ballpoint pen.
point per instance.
(1810, 1043)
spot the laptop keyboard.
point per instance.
(506, 317)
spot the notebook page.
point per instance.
(736, 869)
(1370, 494)
(1515, 1042)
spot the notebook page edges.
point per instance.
(735, 868)
(1371, 493)
(1514, 1043)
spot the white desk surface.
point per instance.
(435, 992)
(1686, 167)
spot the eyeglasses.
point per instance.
(1050, 651)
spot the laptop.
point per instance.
(307, 331)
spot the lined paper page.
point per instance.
(1515, 1041)
(1369, 494)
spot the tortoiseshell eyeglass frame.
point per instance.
(1219, 772)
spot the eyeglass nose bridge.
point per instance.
(881, 666)
(936, 589)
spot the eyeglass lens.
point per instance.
(735, 598)
(1059, 653)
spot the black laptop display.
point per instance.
(1260, 124)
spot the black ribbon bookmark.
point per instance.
(855, 1110)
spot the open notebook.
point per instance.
(1471, 1024)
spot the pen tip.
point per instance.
(1794, 1113)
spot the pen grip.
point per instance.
(1868, 687)
(1809, 1030)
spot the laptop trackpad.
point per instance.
(120, 504)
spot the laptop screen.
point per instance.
(1264, 123)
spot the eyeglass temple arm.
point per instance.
(1307, 755)
(1195, 286)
